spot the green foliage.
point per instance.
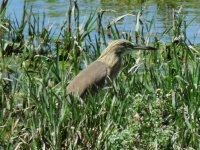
(153, 104)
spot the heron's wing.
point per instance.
(94, 74)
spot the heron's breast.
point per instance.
(114, 70)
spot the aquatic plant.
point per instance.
(153, 105)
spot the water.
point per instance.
(162, 12)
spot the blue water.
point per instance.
(55, 11)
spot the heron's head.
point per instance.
(117, 49)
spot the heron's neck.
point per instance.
(113, 62)
(110, 59)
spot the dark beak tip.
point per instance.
(145, 47)
(152, 48)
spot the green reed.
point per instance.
(153, 104)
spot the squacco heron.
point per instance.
(107, 66)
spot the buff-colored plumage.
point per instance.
(106, 66)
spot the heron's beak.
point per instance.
(139, 47)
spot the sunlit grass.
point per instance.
(153, 104)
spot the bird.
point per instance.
(106, 67)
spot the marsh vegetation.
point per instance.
(153, 104)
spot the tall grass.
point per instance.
(153, 104)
